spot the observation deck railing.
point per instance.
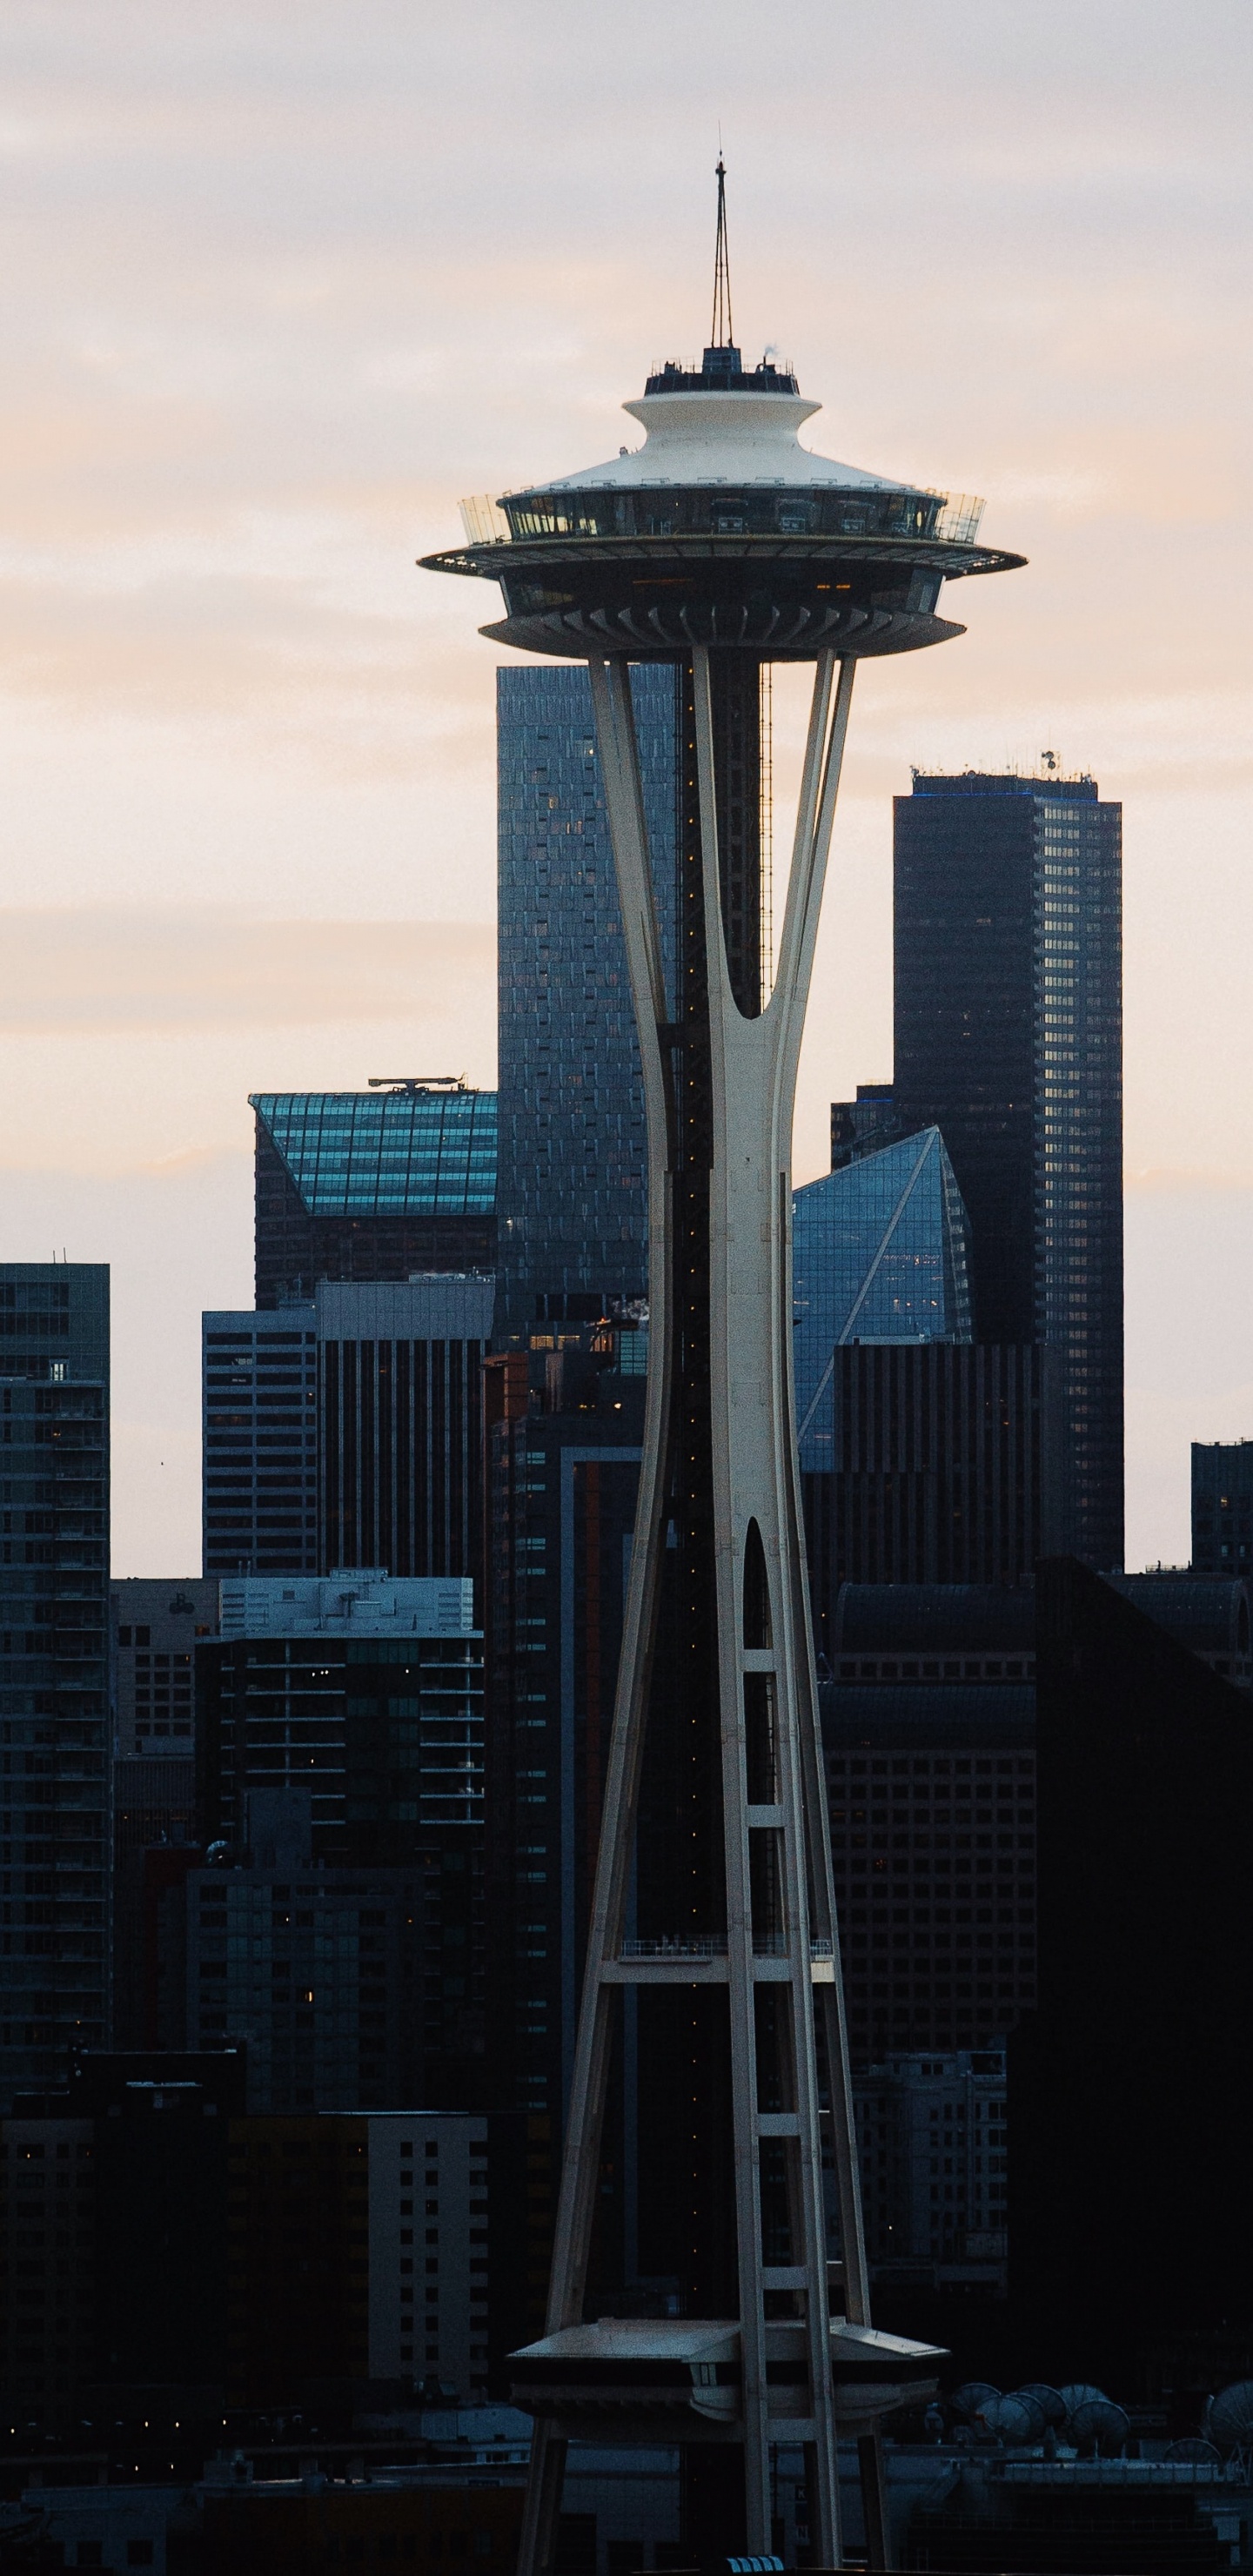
(821, 510)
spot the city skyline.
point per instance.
(251, 765)
(624, 1160)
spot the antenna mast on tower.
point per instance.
(722, 332)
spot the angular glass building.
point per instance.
(372, 1184)
(1008, 1008)
(572, 1216)
(54, 1665)
(879, 1255)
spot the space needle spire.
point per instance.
(722, 328)
(716, 547)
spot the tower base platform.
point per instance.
(678, 2379)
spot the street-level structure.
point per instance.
(719, 546)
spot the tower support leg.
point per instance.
(874, 2500)
(780, 1927)
(537, 2541)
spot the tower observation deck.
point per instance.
(719, 545)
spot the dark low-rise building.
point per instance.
(943, 1468)
(929, 1741)
(216, 2259)
(1208, 1613)
(931, 2134)
(358, 1700)
(1130, 2090)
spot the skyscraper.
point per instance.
(561, 1492)
(361, 1700)
(942, 1466)
(1222, 1506)
(346, 1432)
(1008, 1007)
(260, 1441)
(572, 1220)
(373, 1184)
(155, 1630)
(923, 1459)
(880, 1253)
(54, 1664)
(929, 1740)
(399, 1422)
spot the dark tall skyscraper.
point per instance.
(372, 1184)
(1222, 1506)
(260, 1448)
(347, 1432)
(400, 1423)
(572, 1216)
(54, 1664)
(561, 1499)
(1009, 1039)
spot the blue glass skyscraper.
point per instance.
(572, 1219)
(925, 1458)
(879, 1254)
(372, 1184)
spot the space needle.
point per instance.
(720, 545)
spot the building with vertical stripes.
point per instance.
(54, 1665)
(399, 1407)
(1008, 1036)
(346, 1432)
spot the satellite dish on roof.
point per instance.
(1229, 2416)
(1192, 2448)
(1050, 2401)
(1102, 2424)
(1079, 2392)
(970, 2399)
(1012, 2419)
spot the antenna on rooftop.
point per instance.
(417, 1082)
(722, 332)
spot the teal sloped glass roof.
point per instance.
(879, 1255)
(386, 1153)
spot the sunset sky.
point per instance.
(280, 283)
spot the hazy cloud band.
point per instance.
(120, 969)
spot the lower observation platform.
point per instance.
(779, 632)
(656, 598)
(678, 2379)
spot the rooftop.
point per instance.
(1079, 790)
(352, 1601)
